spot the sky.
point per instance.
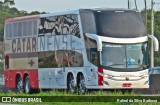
(62, 5)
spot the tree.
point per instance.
(9, 2)
(34, 13)
(13, 11)
(145, 12)
(1, 2)
(156, 29)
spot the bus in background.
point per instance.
(84, 49)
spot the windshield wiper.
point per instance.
(144, 66)
(115, 64)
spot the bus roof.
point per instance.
(64, 13)
(42, 15)
(22, 18)
(85, 9)
(107, 9)
(60, 13)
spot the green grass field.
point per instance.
(56, 93)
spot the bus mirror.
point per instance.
(156, 43)
(98, 40)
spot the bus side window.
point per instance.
(7, 61)
(91, 49)
(94, 56)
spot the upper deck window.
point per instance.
(113, 23)
(120, 24)
(88, 22)
(20, 29)
(26, 28)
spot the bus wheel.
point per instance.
(27, 88)
(82, 85)
(71, 84)
(19, 84)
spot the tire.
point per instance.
(27, 88)
(19, 84)
(82, 85)
(70, 84)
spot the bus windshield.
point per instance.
(125, 56)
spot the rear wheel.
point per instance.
(82, 85)
(27, 88)
(71, 84)
(19, 84)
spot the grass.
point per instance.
(65, 93)
(57, 93)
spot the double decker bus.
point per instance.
(84, 49)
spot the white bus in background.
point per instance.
(84, 49)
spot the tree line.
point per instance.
(156, 30)
(7, 11)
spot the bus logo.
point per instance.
(6, 99)
(126, 78)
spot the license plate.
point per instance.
(126, 85)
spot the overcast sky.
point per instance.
(61, 5)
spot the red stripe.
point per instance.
(10, 77)
(100, 70)
(100, 78)
(21, 18)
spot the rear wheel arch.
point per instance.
(19, 82)
(78, 78)
(27, 85)
(81, 83)
(71, 86)
(24, 76)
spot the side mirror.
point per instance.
(156, 43)
(98, 40)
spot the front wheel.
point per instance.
(27, 88)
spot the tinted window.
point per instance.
(21, 28)
(60, 58)
(91, 49)
(88, 22)
(120, 24)
(59, 25)
(155, 71)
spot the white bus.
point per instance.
(77, 50)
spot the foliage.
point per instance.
(156, 30)
(9, 2)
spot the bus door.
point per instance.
(7, 71)
(91, 71)
(57, 73)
